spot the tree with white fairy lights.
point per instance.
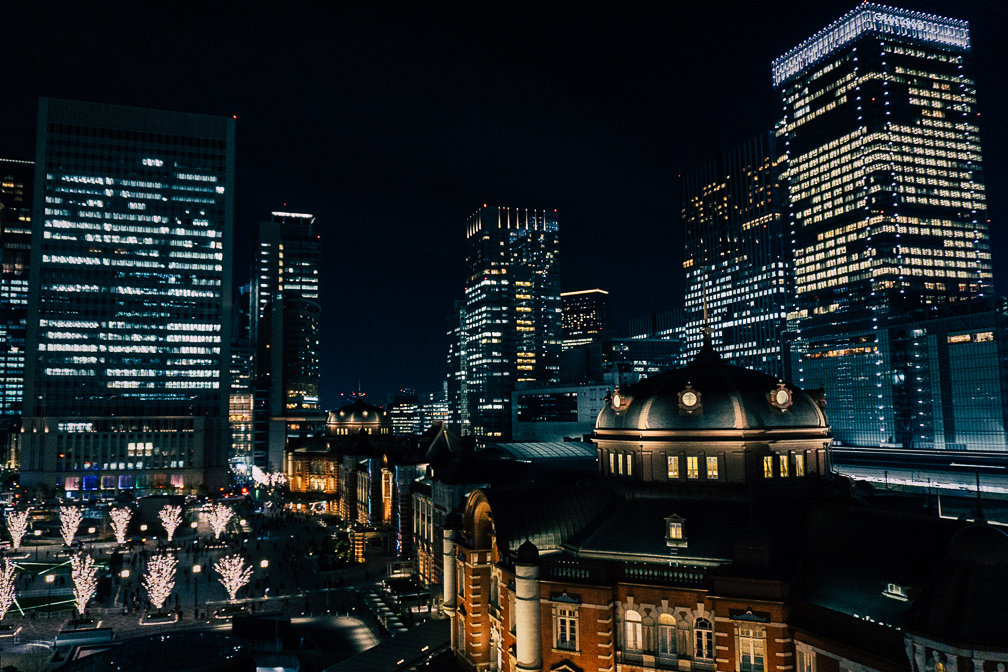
(7, 585)
(70, 520)
(220, 516)
(120, 522)
(17, 525)
(160, 579)
(84, 573)
(171, 518)
(233, 574)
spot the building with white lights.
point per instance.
(17, 182)
(285, 336)
(735, 259)
(129, 308)
(887, 210)
(511, 333)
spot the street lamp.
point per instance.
(196, 569)
(264, 564)
(143, 528)
(38, 533)
(193, 524)
(49, 581)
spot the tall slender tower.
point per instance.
(17, 181)
(886, 196)
(735, 255)
(129, 308)
(512, 312)
(285, 334)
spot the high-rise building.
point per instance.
(241, 456)
(886, 197)
(736, 267)
(512, 311)
(455, 387)
(585, 317)
(17, 180)
(129, 305)
(285, 335)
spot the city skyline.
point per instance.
(590, 148)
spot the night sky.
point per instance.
(392, 123)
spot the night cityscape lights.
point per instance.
(787, 453)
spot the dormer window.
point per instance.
(674, 536)
(896, 592)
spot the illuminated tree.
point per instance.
(70, 520)
(233, 574)
(17, 525)
(7, 585)
(160, 579)
(85, 580)
(171, 518)
(220, 515)
(120, 522)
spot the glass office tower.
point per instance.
(129, 319)
(735, 258)
(285, 335)
(886, 197)
(585, 317)
(512, 312)
(17, 180)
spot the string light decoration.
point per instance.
(220, 516)
(160, 579)
(70, 520)
(7, 586)
(84, 573)
(17, 525)
(171, 518)
(233, 574)
(120, 522)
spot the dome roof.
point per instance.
(963, 603)
(357, 412)
(527, 554)
(710, 394)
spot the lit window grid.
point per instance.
(131, 268)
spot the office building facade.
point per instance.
(886, 205)
(285, 335)
(585, 317)
(512, 311)
(17, 182)
(129, 322)
(737, 272)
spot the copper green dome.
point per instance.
(710, 395)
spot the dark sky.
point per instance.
(392, 123)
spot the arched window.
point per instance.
(634, 631)
(704, 639)
(666, 635)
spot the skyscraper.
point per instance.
(129, 305)
(285, 333)
(241, 456)
(512, 311)
(735, 261)
(585, 317)
(17, 180)
(886, 197)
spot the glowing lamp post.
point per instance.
(49, 581)
(196, 569)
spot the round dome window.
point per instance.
(689, 399)
(781, 397)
